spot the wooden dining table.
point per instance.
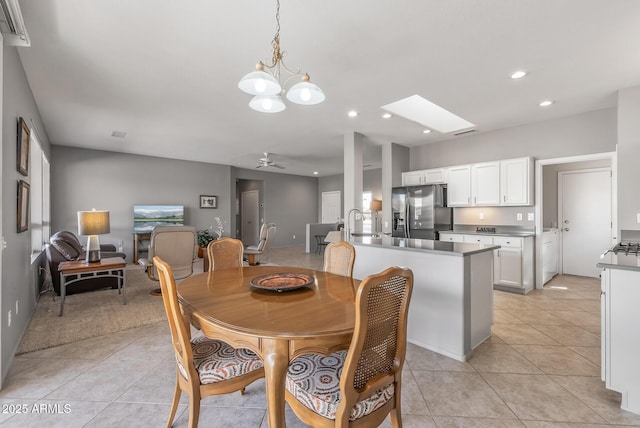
(276, 325)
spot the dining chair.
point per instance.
(360, 386)
(225, 253)
(204, 366)
(339, 258)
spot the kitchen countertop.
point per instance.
(620, 261)
(426, 245)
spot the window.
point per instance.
(40, 218)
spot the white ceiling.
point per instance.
(166, 71)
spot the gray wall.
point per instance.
(371, 182)
(19, 275)
(83, 179)
(290, 201)
(587, 133)
(628, 158)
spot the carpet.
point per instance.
(94, 313)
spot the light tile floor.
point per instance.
(540, 369)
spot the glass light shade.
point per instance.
(259, 83)
(305, 93)
(267, 103)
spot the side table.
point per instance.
(79, 270)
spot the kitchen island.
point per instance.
(620, 318)
(451, 309)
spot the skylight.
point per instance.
(426, 113)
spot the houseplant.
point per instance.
(204, 237)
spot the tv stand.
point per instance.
(139, 246)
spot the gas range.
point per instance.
(624, 248)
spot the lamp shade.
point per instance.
(259, 82)
(305, 93)
(93, 222)
(267, 103)
(375, 205)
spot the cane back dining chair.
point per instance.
(225, 253)
(361, 386)
(339, 258)
(204, 366)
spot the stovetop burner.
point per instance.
(626, 248)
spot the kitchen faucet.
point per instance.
(348, 234)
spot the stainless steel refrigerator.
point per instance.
(420, 211)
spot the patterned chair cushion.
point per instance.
(315, 381)
(216, 360)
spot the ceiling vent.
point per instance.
(12, 25)
(468, 131)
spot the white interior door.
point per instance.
(584, 205)
(250, 213)
(330, 207)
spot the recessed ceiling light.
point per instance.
(518, 74)
(352, 113)
(546, 103)
(426, 131)
(386, 116)
(315, 172)
(118, 134)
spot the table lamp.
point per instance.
(92, 224)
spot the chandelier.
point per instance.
(264, 82)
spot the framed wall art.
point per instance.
(24, 136)
(23, 206)
(208, 201)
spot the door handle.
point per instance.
(566, 229)
(566, 222)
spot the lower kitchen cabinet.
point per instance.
(620, 345)
(513, 267)
(513, 264)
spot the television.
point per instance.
(146, 217)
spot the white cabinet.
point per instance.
(507, 262)
(516, 181)
(425, 176)
(502, 183)
(485, 184)
(451, 237)
(477, 239)
(513, 264)
(620, 344)
(549, 255)
(459, 186)
(474, 185)
(513, 267)
(411, 178)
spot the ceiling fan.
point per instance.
(266, 161)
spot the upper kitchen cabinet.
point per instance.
(459, 186)
(425, 176)
(474, 185)
(516, 181)
(500, 183)
(485, 184)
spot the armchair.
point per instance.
(64, 246)
(177, 245)
(267, 236)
